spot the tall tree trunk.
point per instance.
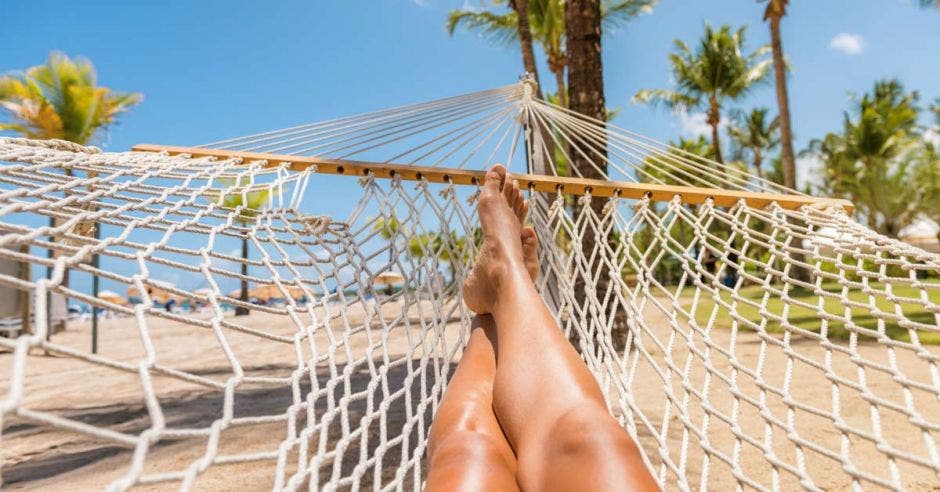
(758, 161)
(560, 83)
(586, 96)
(585, 70)
(525, 40)
(243, 295)
(714, 119)
(783, 101)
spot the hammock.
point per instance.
(746, 335)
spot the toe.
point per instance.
(529, 239)
(520, 206)
(493, 183)
(517, 202)
(509, 189)
(500, 171)
(530, 254)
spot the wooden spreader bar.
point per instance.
(536, 182)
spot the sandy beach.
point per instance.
(42, 457)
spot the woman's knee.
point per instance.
(588, 433)
(461, 446)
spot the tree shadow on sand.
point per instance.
(409, 397)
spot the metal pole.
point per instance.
(50, 253)
(26, 296)
(95, 283)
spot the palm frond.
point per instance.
(60, 99)
(758, 73)
(499, 28)
(616, 13)
(671, 99)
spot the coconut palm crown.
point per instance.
(716, 70)
(61, 99)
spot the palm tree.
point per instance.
(929, 3)
(521, 8)
(715, 71)
(388, 228)
(880, 161)
(679, 172)
(545, 25)
(456, 250)
(421, 246)
(753, 136)
(773, 14)
(249, 203)
(62, 100)
(583, 36)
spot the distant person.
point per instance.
(522, 411)
(709, 261)
(731, 270)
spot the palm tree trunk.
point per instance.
(716, 143)
(525, 40)
(714, 119)
(783, 101)
(585, 70)
(560, 83)
(787, 160)
(586, 96)
(243, 295)
(758, 161)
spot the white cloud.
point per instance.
(850, 44)
(692, 125)
(696, 124)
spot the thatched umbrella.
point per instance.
(388, 279)
(112, 297)
(267, 292)
(160, 295)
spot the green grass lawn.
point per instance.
(809, 319)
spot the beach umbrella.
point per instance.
(111, 296)
(268, 292)
(265, 292)
(159, 293)
(388, 279)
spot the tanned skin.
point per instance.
(522, 410)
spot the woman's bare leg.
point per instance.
(467, 449)
(547, 403)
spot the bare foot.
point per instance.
(501, 210)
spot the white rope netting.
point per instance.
(763, 348)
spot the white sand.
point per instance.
(42, 457)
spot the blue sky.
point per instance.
(215, 69)
(212, 69)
